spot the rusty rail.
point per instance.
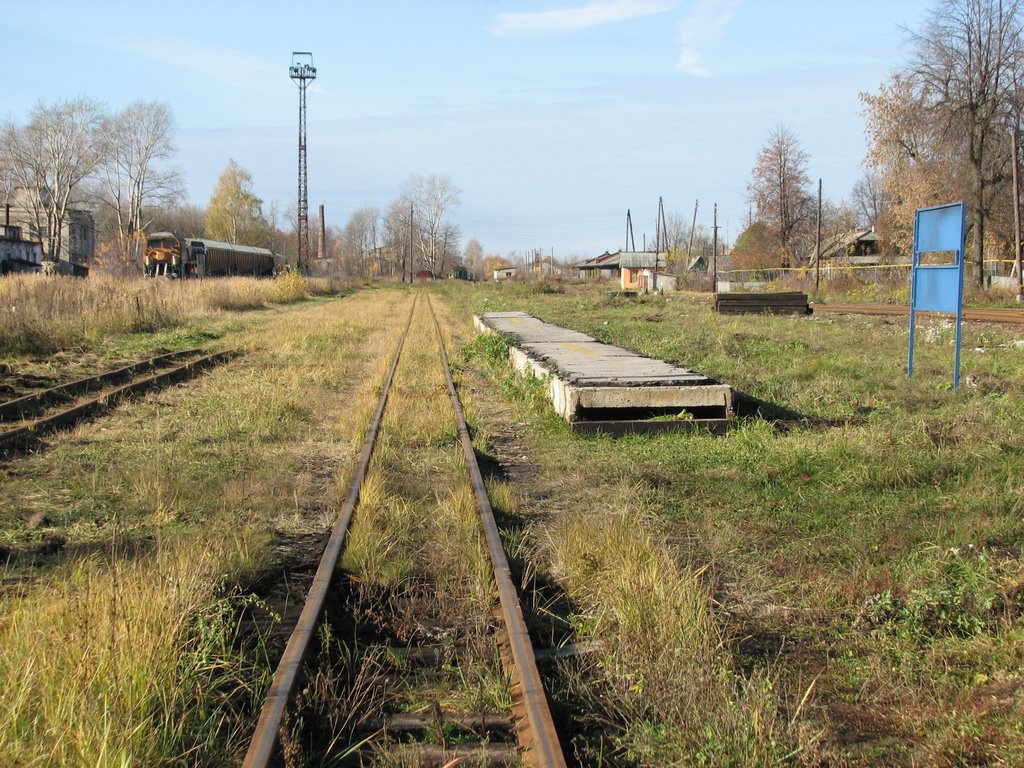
(26, 433)
(28, 405)
(981, 314)
(263, 748)
(543, 747)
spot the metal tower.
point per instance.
(302, 72)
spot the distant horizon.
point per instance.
(553, 120)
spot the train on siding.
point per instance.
(171, 255)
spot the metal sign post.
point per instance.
(939, 287)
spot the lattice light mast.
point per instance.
(302, 72)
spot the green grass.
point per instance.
(882, 559)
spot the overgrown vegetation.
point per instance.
(133, 544)
(43, 315)
(862, 578)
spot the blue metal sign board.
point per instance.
(939, 287)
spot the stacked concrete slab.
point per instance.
(587, 375)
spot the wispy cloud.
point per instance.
(703, 24)
(233, 68)
(562, 21)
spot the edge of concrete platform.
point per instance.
(568, 398)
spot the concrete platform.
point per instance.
(592, 381)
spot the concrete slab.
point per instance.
(586, 376)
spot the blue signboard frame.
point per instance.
(938, 287)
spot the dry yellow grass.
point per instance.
(100, 660)
(132, 657)
(44, 314)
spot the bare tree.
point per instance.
(448, 248)
(962, 65)
(140, 139)
(473, 258)
(186, 220)
(59, 148)
(431, 198)
(778, 187)
(869, 198)
(397, 235)
(360, 238)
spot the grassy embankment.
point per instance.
(131, 540)
(849, 595)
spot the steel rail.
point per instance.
(27, 405)
(545, 750)
(266, 738)
(27, 432)
(992, 315)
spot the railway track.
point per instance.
(983, 315)
(25, 420)
(525, 735)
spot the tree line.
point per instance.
(78, 155)
(942, 128)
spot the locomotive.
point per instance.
(171, 255)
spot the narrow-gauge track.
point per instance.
(25, 419)
(531, 722)
(984, 315)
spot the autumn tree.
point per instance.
(915, 161)
(939, 129)
(234, 213)
(756, 248)
(778, 187)
(963, 64)
(49, 158)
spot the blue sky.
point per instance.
(552, 118)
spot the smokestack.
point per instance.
(321, 236)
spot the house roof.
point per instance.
(605, 261)
(627, 259)
(838, 246)
(642, 260)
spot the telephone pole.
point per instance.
(303, 72)
(714, 250)
(693, 226)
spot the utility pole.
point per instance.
(1015, 141)
(303, 72)
(817, 244)
(321, 236)
(408, 249)
(714, 250)
(693, 226)
(629, 232)
(657, 233)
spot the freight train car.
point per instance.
(168, 254)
